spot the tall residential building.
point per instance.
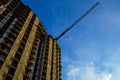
(27, 52)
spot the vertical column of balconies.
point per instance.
(8, 12)
(54, 60)
(45, 60)
(3, 2)
(51, 62)
(9, 15)
(37, 63)
(8, 34)
(32, 58)
(25, 56)
(3, 5)
(17, 56)
(58, 63)
(45, 67)
(5, 42)
(6, 21)
(22, 46)
(31, 61)
(49, 58)
(4, 8)
(9, 39)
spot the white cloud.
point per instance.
(108, 77)
(87, 73)
(116, 70)
(73, 73)
(90, 70)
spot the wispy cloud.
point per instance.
(107, 69)
(73, 72)
(87, 73)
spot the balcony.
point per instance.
(9, 40)
(11, 71)
(43, 75)
(8, 44)
(1, 63)
(31, 57)
(33, 52)
(45, 68)
(15, 30)
(34, 47)
(26, 77)
(30, 63)
(10, 37)
(2, 51)
(13, 35)
(8, 77)
(46, 58)
(17, 56)
(20, 50)
(29, 69)
(15, 63)
(2, 57)
(5, 48)
(18, 24)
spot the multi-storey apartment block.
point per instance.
(27, 52)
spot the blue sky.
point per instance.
(91, 50)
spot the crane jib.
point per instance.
(79, 19)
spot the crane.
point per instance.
(79, 19)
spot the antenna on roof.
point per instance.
(79, 19)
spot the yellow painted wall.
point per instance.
(49, 60)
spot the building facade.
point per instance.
(27, 52)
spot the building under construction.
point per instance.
(26, 51)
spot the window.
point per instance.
(1, 63)
(8, 77)
(2, 57)
(11, 71)
(15, 63)
(4, 48)
(43, 74)
(45, 63)
(45, 68)
(17, 56)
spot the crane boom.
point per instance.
(79, 19)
